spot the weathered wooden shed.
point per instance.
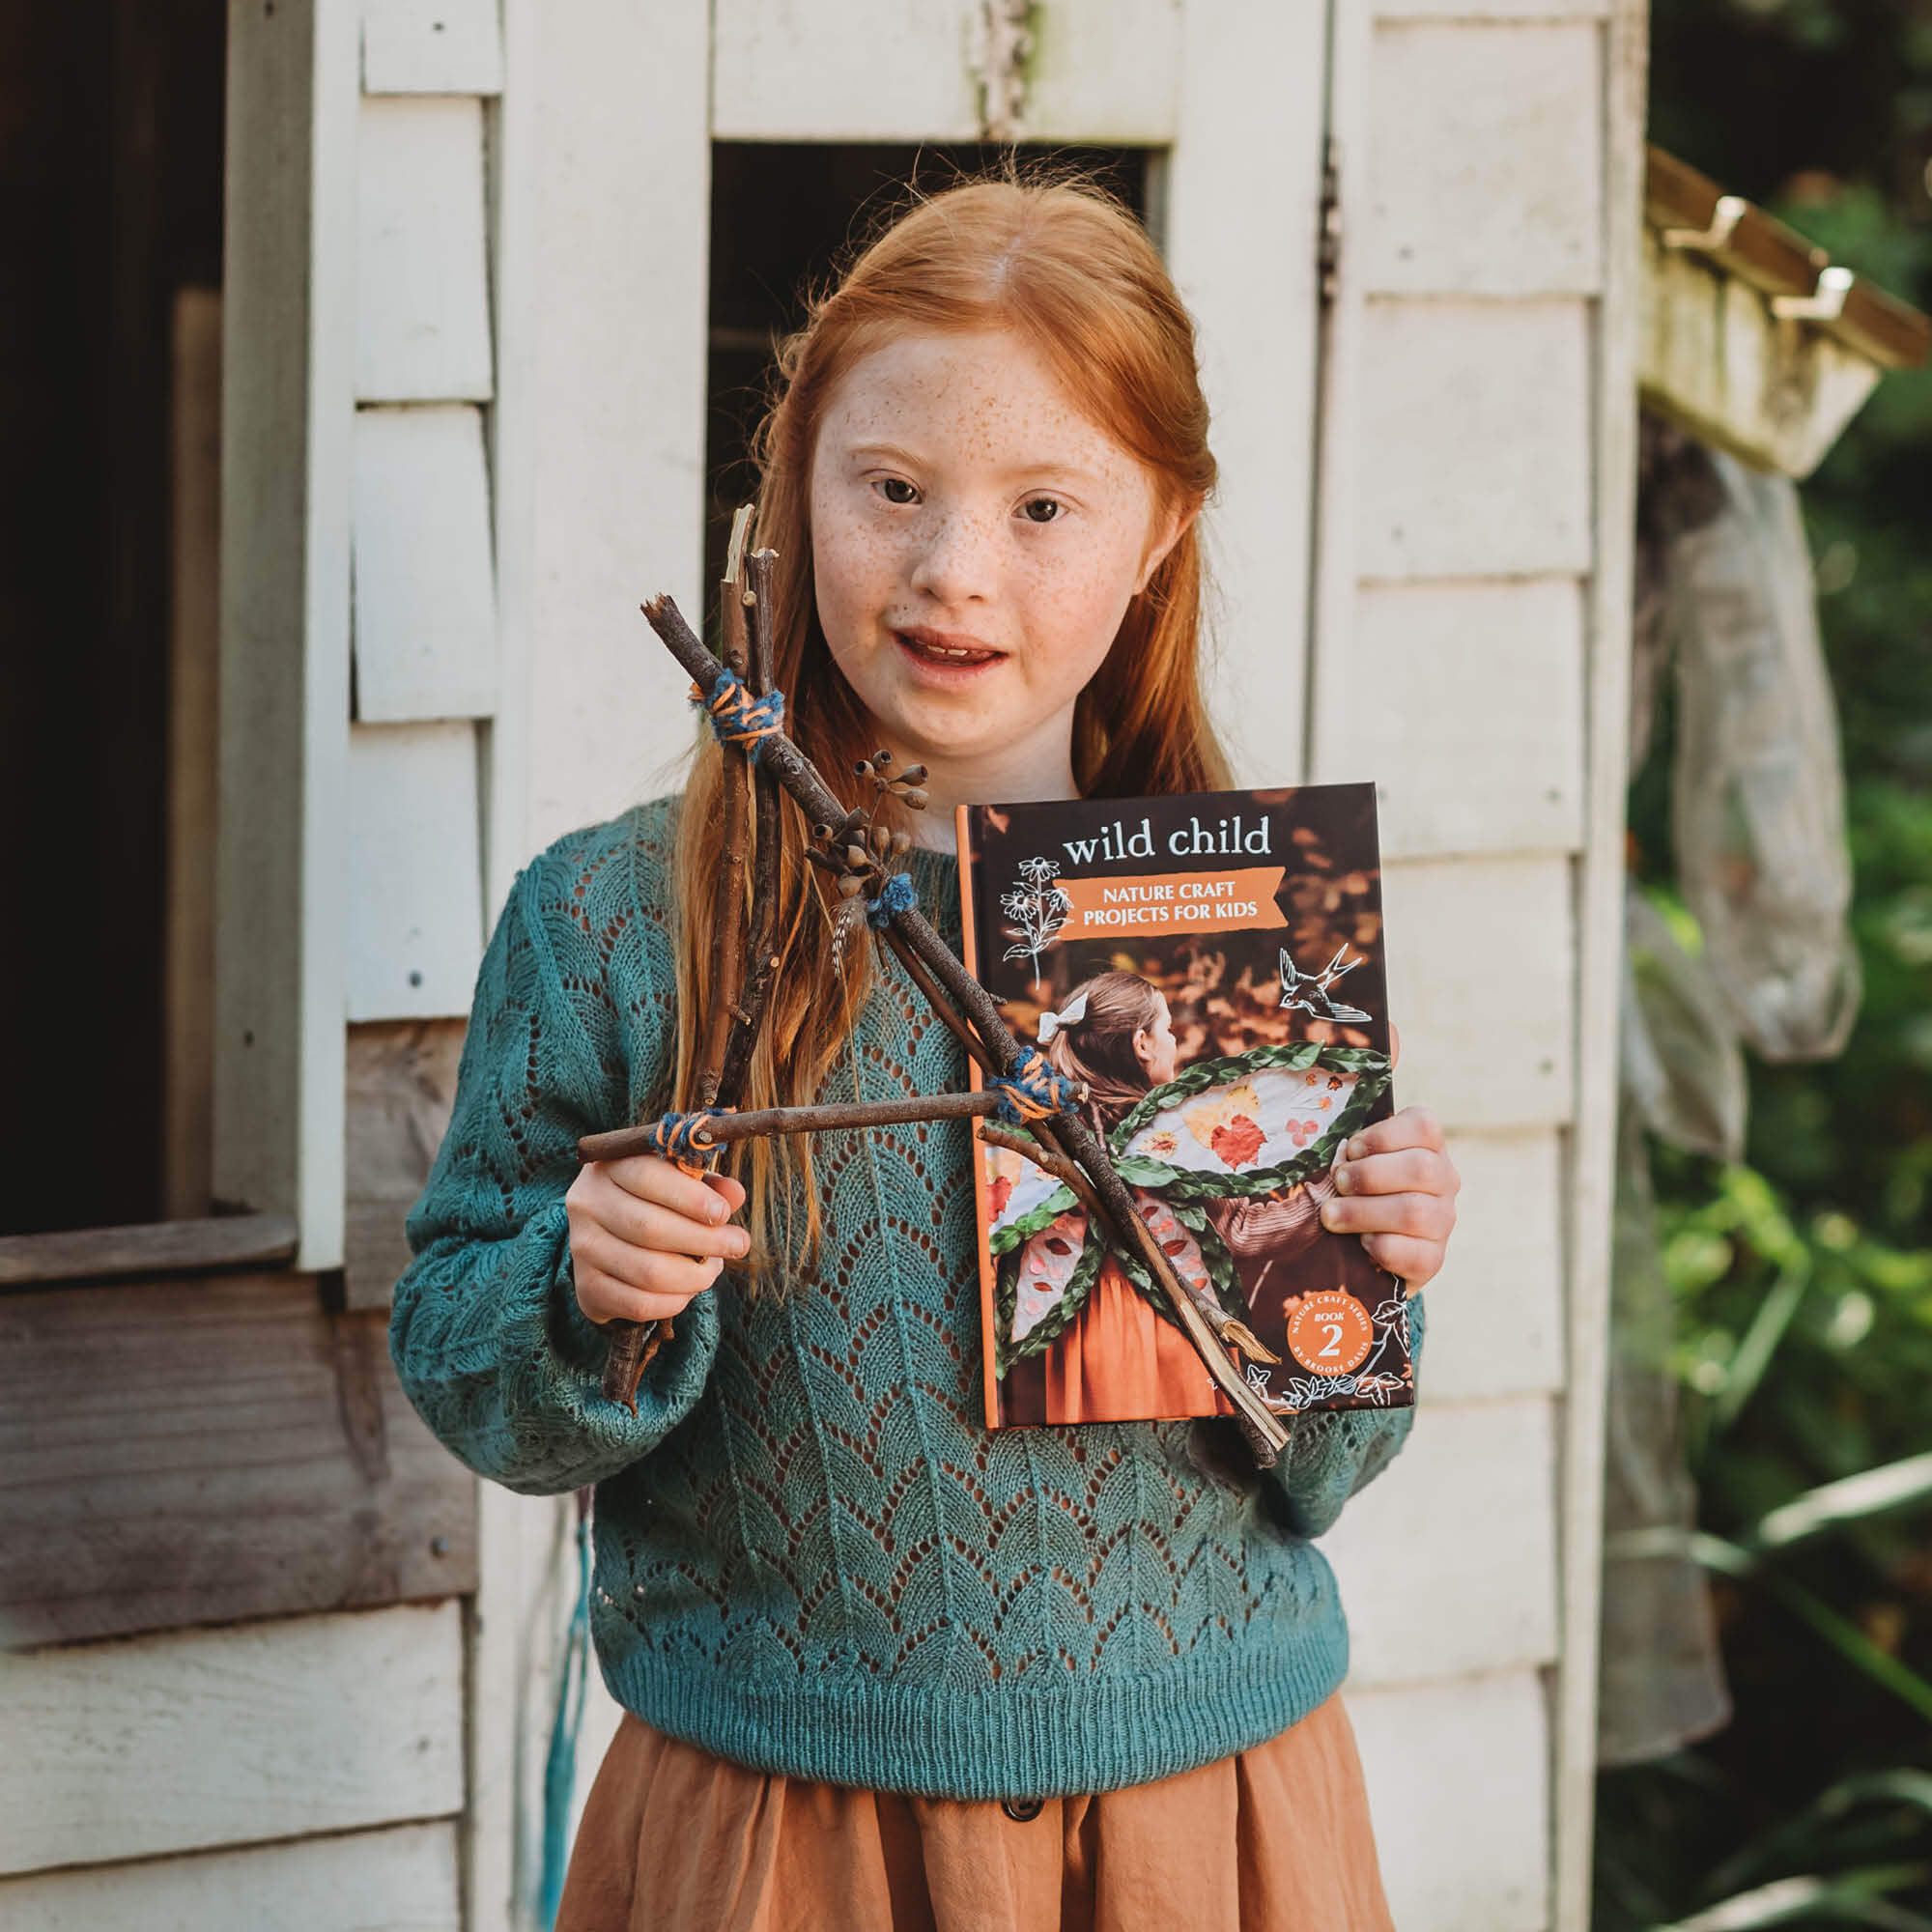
(287, 1664)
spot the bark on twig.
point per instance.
(723, 1128)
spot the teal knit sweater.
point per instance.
(812, 1556)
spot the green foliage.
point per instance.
(1804, 1280)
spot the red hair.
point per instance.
(1070, 271)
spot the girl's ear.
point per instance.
(1168, 532)
(1143, 1049)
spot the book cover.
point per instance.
(1211, 968)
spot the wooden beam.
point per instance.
(195, 672)
(150, 1248)
(201, 1451)
(287, 412)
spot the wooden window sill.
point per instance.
(147, 1251)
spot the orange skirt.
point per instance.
(675, 1839)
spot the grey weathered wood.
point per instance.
(402, 1084)
(400, 1879)
(287, 410)
(191, 1452)
(148, 1249)
(227, 1737)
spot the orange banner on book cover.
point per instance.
(1173, 902)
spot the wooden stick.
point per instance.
(794, 771)
(976, 1047)
(1043, 1158)
(725, 1128)
(761, 956)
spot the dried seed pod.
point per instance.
(850, 886)
(855, 856)
(916, 799)
(822, 832)
(882, 759)
(862, 769)
(901, 845)
(913, 775)
(881, 839)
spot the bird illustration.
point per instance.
(1309, 992)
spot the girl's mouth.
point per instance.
(945, 652)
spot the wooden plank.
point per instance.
(1458, 1786)
(1482, 959)
(1484, 160)
(151, 1248)
(1491, 1598)
(432, 47)
(1496, 1309)
(844, 71)
(402, 1879)
(1251, 109)
(194, 684)
(288, 386)
(425, 581)
(184, 1452)
(1600, 980)
(1493, 10)
(1465, 704)
(422, 307)
(229, 1737)
(1108, 71)
(401, 1085)
(1475, 439)
(613, 235)
(414, 929)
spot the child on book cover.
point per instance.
(1120, 1358)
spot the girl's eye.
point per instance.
(1040, 509)
(895, 490)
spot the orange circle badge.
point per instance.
(1330, 1332)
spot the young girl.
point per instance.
(1120, 1356)
(882, 1667)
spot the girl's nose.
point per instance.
(954, 564)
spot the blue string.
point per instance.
(1034, 1091)
(740, 719)
(897, 895)
(681, 1137)
(560, 1764)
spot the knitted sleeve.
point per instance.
(1336, 1452)
(487, 1337)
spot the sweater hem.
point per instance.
(933, 1741)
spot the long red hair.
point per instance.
(1071, 271)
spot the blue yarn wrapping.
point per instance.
(737, 717)
(897, 895)
(681, 1137)
(1034, 1091)
(559, 1781)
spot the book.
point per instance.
(1210, 967)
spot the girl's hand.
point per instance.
(644, 1236)
(1394, 1188)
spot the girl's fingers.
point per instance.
(1411, 1170)
(603, 1299)
(1427, 1216)
(1413, 1263)
(698, 1198)
(1413, 1127)
(597, 1254)
(642, 1224)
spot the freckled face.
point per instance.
(975, 542)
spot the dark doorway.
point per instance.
(110, 158)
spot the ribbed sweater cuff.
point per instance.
(993, 1744)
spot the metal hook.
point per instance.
(1825, 304)
(1725, 218)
